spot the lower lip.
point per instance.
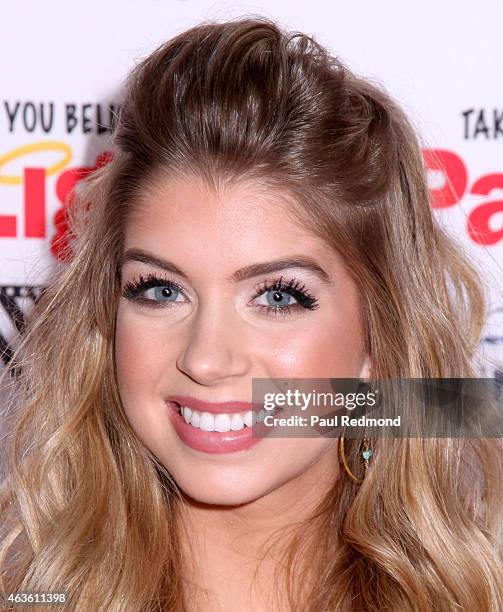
(214, 441)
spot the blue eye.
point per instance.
(152, 291)
(277, 298)
(162, 294)
(281, 298)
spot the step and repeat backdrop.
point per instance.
(62, 66)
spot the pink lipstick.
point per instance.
(248, 431)
(229, 407)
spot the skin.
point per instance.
(210, 343)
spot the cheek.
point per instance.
(323, 347)
(340, 351)
(140, 353)
(141, 365)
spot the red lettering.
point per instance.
(8, 226)
(485, 184)
(34, 202)
(65, 191)
(479, 219)
(455, 175)
(478, 223)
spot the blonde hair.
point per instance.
(86, 507)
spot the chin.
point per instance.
(221, 492)
(220, 496)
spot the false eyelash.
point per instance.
(133, 289)
(295, 288)
(305, 301)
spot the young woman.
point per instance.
(265, 215)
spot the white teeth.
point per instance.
(207, 422)
(221, 422)
(249, 418)
(187, 412)
(195, 419)
(237, 422)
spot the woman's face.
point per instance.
(204, 326)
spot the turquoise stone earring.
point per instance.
(366, 453)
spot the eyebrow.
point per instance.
(251, 271)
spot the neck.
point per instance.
(235, 555)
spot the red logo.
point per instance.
(454, 187)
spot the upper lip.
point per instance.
(215, 408)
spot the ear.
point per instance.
(366, 368)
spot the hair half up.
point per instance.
(85, 508)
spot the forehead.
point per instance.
(183, 218)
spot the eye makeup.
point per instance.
(135, 289)
(293, 288)
(165, 288)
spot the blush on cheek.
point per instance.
(321, 352)
(133, 355)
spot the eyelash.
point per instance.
(305, 301)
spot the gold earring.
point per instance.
(366, 454)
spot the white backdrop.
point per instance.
(62, 64)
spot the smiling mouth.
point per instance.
(221, 422)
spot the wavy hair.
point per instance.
(85, 507)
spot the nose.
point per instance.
(215, 347)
